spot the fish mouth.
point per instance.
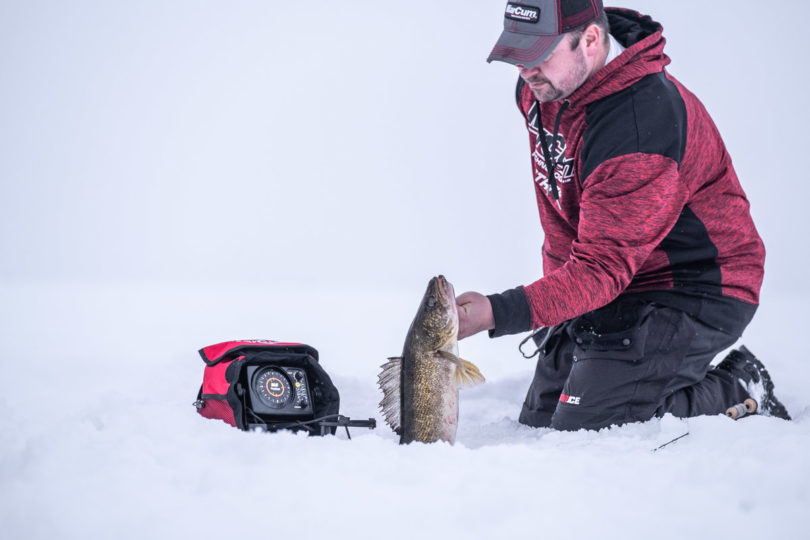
(446, 291)
(446, 288)
(447, 295)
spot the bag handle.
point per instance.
(214, 354)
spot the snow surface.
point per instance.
(175, 174)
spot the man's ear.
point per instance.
(592, 39)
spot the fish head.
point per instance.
(436, 323)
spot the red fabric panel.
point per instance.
(214, 379)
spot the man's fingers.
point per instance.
(463, 299)
(472, 313)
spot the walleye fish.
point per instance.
(420, 388)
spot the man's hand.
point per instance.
(474, 314)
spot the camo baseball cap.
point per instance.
(532, 28)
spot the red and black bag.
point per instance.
(239, 374)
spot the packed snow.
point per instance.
(178, 174)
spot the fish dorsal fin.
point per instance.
(467, 373)
(388, 380)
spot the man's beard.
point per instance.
(548, 93)
(567, 86)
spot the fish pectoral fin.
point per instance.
(467, 373)
(388, 380)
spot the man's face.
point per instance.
(559, 75)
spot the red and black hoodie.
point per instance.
(643, 198)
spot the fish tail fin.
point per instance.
(388, 381)
(467, 374)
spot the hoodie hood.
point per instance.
(644, 43)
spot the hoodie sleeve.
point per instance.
(629, 205)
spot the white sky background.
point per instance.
(333, 144)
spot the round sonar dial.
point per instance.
(273, 388)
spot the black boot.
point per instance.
(753, 376)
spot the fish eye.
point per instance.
(431, 301)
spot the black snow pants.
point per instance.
(626, 362)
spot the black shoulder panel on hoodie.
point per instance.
(647, 117)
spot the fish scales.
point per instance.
(429, 399)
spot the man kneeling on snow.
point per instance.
(652, 264)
